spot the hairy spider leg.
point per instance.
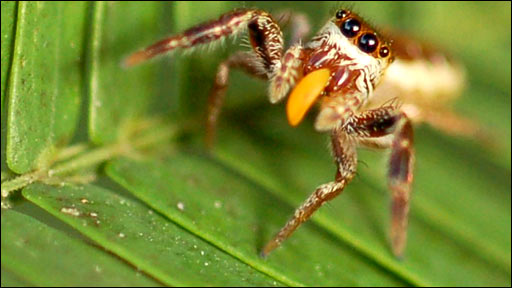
(345, 155)
(265, 36)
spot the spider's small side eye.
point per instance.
(384, 51)
(368, 42)
(350, 28)
(341, 14)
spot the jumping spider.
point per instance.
(339, 68)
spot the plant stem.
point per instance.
(21, 181)
(91, 158)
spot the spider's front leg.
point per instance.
(344, 150)
(264, 34)
(388, 127)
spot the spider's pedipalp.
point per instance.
(285, 77)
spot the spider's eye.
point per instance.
(368, 43)
(350, 28)
(384, 51)
(341, 14)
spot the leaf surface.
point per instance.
(144, 238)
(45, 88)
(34, 250)
(238, 216)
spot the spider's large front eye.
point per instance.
(368, 43)
(350, 28)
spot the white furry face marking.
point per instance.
(355, 74)
(351, 56)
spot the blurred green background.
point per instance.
(62, 85)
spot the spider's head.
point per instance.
(346, 27)
(347, 57)
(359, 44)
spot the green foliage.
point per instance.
(142, 237)
(240, 219)
(36, 251)
(163, 211)
(45, 82)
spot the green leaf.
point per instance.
(238, 216)
(45, 83)
(33, 251)
(147, 240)
(10, 280)
(118, 96)
(8, 28)
(8, 25)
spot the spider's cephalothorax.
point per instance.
(339, 69)
(356, 57)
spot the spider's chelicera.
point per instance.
(338, 69)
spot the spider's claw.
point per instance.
(135, 59)
(264, 253)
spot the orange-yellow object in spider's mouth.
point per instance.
(304, 95)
